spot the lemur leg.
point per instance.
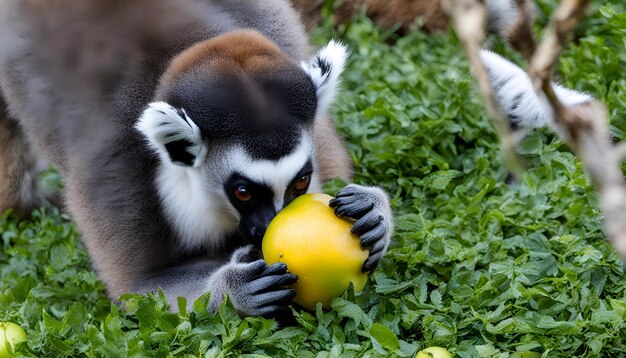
(19, 166)
(369, 206)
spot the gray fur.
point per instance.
(501, 15)
(77, 76)
(19, 167)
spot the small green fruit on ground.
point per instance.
(10, 335)
(433, 352)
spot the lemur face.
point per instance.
(237, 115)
(258, 189)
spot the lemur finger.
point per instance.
(347, 191)
(355, 209)
(281, 297)
(274, 311)
(377, 246)
(373, 236)
(372, 261)
(266, 283)
(288, 279)
(366, 223)
(335, 202)
(343, 200)
(255, 268)
(275, 269)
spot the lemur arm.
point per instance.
(188, 279)
(255, 288)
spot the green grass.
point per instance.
(477, 266)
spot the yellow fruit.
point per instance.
(10, 335)
(318, 247)
(433, 352)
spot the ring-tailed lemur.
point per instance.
(180, 128)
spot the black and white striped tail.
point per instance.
(514, 91)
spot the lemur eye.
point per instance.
(302, 182)
(242, 194)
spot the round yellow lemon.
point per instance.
(10, 335)
(317, 246)
(433, 352)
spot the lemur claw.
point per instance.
(346, 206)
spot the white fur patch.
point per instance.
(316, 183)
(201, 214)
(517, 96)
(275, 174)
(161, 124)
(195, 210)
(324, 69)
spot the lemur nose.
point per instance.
(256, 234)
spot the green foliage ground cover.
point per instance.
(478, 266)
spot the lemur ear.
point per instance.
(172, 134)
(324, 69)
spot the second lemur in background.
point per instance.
(405, 15)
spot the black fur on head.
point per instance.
(264, 112)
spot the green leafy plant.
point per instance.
(478, 266)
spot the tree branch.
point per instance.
(583, 127)
(469, 17)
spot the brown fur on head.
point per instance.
(238, 84)
(246, 50)
(243, 58)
